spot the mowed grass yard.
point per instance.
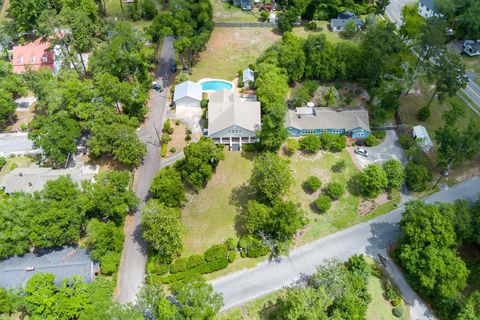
(224, 11)
(230, 50)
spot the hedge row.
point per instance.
(252, 247)
(207, 267)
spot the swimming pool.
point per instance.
(215, 85)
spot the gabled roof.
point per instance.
(187, 89)
(248, 74)
(424, 141)
(428, 3)
(34, 54)
(63, 262)
(336, 23)
(330, 118)
(226, 109)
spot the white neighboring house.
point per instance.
(272, 18)
(187, 94)
(187, 99)
(247, 77)
(231, 120)
(422, 138)
(426, 8)
(472, 47)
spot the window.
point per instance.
(20, 59)
(45, 58)
(32, 59)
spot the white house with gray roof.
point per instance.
(187, 94)
(343, 18)
(232, 120)
(352, 122)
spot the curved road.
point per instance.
(134, 256)
(372, 238)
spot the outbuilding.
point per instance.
(248, 77)
(187, 94)
(422, 138)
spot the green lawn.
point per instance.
(343, 212)
(322, 28)
(230, 50)
(224, 11)
(473, 64)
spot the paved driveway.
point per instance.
(372, 237)
(390, 148)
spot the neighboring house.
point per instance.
(64, 263)
(232, 120)
(342, 19)
(187, 94)
(35, 55)
(472, 47)
(248, 77)
(34, 178)
(426, 8)
(420, 135)
(246, 5)
(16, 144)
(307, 120)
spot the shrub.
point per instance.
(257, 250)
(195, 260)
(240, 79)
(153, 267)
(179, 265)
(217, 251)
(370, 141)
(264, 15)
(390, 292)
(397, 312)
(3, 161)
(417, 177)
(13, 166)
(406, 140)
(249, 147)
(164, 149)
(188, 131)
(170, 130)
(188, 137)
(423, 113)
(323, 203)
(244, 242)
(310, 143)
(291, 146)
(313, 183)
(23, 126)
(177, 122)
(212, 266)
(109, 262)
(252, 247)
(334, 190)
(311, 26)
(165, 138)
(167, 125)
(203, 103)
(173, 149)
(231, 256)
(339, 166)
(379, 134)
(243, 254)
(333, 142)
(230, 244)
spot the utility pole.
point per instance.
(444, 173)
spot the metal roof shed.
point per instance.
(420, 134)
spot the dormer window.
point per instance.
(20, 60)
(32, 60)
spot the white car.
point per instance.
(361, 151)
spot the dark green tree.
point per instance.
(167, 187)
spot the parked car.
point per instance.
(173, 67)
(156, 86)
(266, 6)
(361, 151)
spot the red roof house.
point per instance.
(34, 54)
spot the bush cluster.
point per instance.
(312, 184)
(323, 203)
(334, 190)
(325, 141)
(217, 251)
(252, 247)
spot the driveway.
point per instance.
(372, 237)
(16, 144)
(390, 148)
(394, 10)
(131, 273)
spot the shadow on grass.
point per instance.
(239, 198)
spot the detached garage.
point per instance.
(187, 94)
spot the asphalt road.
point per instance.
(134, 256)
(371, 237)
(16, 143)
(472, 90)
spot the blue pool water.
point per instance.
(215, 85)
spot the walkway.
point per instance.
(371, 237)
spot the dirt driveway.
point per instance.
(388, 149)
